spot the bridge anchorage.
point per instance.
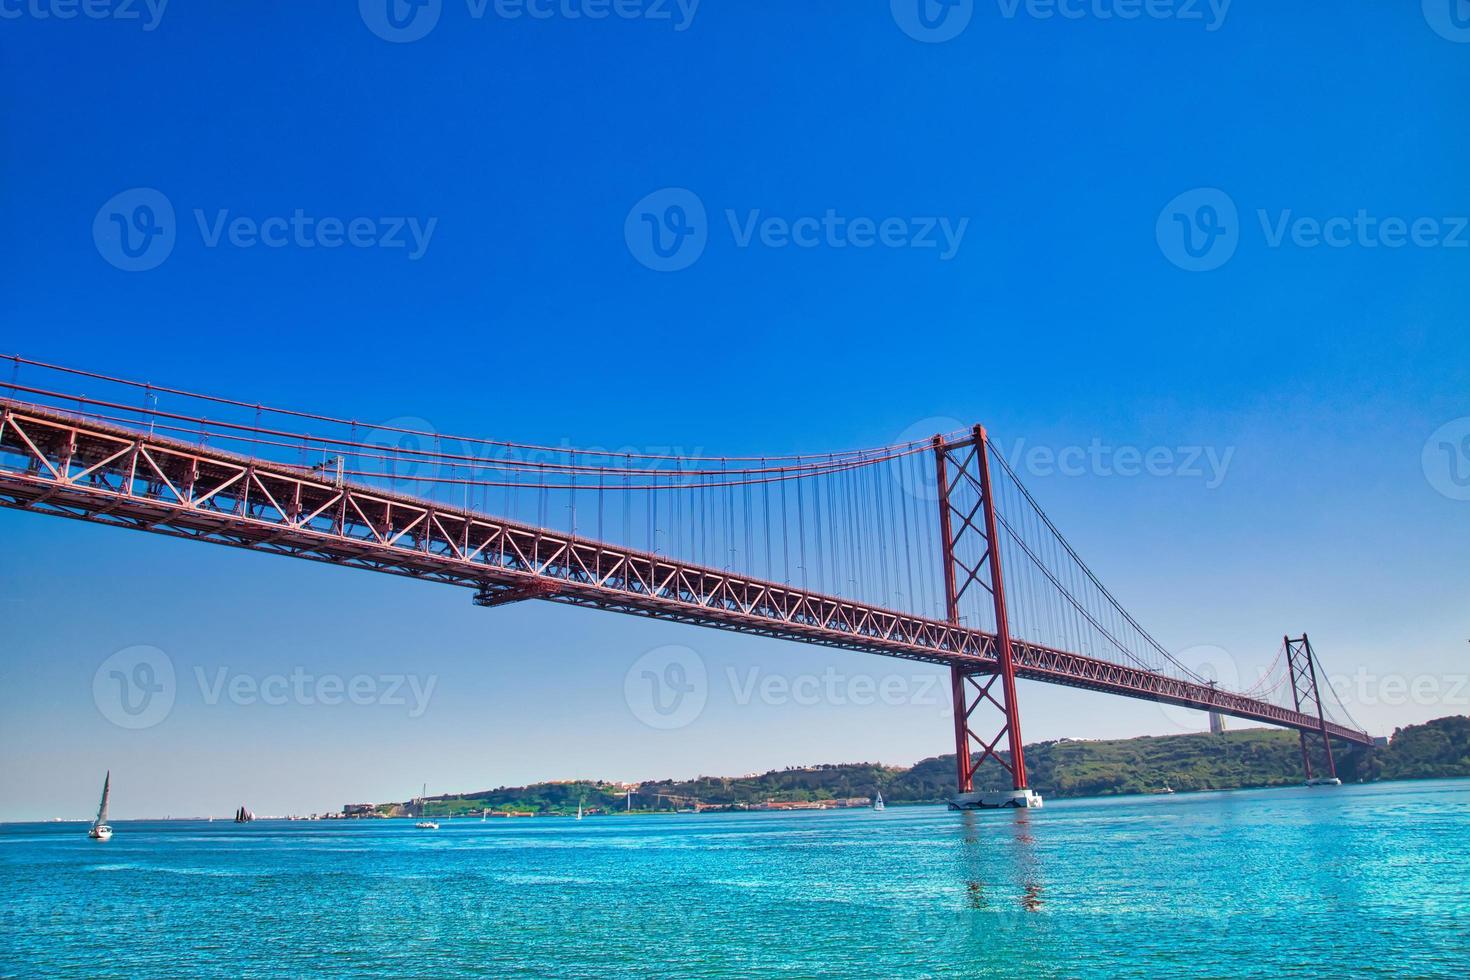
(835, 550)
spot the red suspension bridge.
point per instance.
(931, 550)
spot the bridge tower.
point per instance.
(971, 556)
(1301, 667)
(1217, 720)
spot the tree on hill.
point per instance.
(1239, 759)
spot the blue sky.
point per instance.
(1069, 150)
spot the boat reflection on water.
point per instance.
(1001, 862)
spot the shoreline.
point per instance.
(891, 805)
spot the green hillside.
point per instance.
(1233, 760)
(1437, 750)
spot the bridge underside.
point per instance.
(55, 464)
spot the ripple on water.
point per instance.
(1362, 878)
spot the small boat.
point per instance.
(878, 801)
(579, 809)
(243, 815)
(424, 824)
(100, 830)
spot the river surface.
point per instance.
(1362, 880)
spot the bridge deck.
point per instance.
(57, 464)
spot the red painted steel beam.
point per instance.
(1002, 622)
(55, 464)
(958, 683)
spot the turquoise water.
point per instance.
(1362, 880)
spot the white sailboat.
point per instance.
(579, 809)
(100, 830)
(425, 824)
(878, 800)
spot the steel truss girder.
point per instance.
(55, 464)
